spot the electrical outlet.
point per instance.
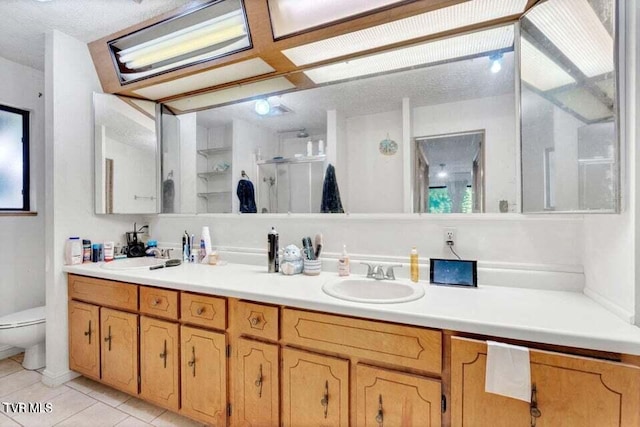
(450, 236)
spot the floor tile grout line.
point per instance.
(76, 413)
(18, 389)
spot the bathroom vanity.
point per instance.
(233, 345)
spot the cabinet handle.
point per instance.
(255, 321)
(380, 414)
(533, 408)
(155, 302)
(163, 355)
(192, 362)
(259, 382)
(325, 398)
(199, 311)
(88, 332)
(108, 338)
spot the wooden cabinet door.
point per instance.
(315, 389)
(159, 362)
(470, 405)
(256, 399)
(204, 375)
(84, 338)
(119, 349)
(387, 398)
(571, 391)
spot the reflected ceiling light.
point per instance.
(427, 53)
(575, 29)
(436, 21)
(539, 70)
(496, 62)
(442, 173)
(206, 33)
(262, 107)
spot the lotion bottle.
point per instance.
(343, 263)
(415, 271)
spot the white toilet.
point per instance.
(26, 329)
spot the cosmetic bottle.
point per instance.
(343, 263)
(73, 251)
(272, 251)
(108, 251)
(415, 270)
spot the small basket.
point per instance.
(312, 267)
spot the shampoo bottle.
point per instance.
(415, 271)
(343, 263)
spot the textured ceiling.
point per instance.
(25, 22)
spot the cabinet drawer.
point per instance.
(257, 320)
(203, 310)
(412, 347)
(104, 292)
(159, 302)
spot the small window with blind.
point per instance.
(14, 159)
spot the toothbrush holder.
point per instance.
(312, 267)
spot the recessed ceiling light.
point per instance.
(496, 63)
(262, 107)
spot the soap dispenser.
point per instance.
(343, 263)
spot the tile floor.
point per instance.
(79, 402)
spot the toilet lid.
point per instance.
(28, 317)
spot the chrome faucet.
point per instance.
(159, 253)
(377, 271)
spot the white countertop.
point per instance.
(552, 317)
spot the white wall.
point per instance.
(22, 250)
(188, 173)
(70, 79)
(375, 180)
(611, 241)
(134, 174)
(497, 116)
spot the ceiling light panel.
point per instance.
(539, 70)
(217, 76)
(294, 16)
(204, 34)
(232, 94)
(575, 29)
(423, 54)
(448, 18)
(584, 103)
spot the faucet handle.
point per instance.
(166, 253)
(369, 269)
(390, 273)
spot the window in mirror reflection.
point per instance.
(569, 131)
(285, 146)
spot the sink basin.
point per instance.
(132, 263)
(373, 291)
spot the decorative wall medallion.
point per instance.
(388, 147)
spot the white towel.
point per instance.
(508, 371)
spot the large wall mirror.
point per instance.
(126, 155)
(430, 128)
(569, 107)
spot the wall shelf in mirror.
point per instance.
(214, 151)
(213, 174)
(213, 194)
(304, 159)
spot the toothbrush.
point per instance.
(318, 245)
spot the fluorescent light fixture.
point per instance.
(575, 29)
(294, 16)
(262, 107)
(232, 94)
(427, 53)
(496, 63)
(221, 75)
(437, 21)
(539, 70)
(206, 33)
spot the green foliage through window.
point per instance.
(440, 201)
